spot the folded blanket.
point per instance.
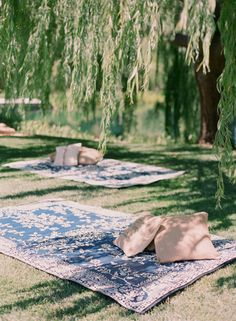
(174, 239)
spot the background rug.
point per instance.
(75, 242)
(109, 172)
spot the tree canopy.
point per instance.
(79, 40)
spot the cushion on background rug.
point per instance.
(59, 156)
(75, 242)
(66, 155)
(184, 238)
(109, 173)
(6, 130)
(89, 156)
(71, 154)
(85, 156)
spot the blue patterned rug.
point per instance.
(109, 172)
(75, 242)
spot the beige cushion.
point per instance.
(71, 154)
(184, 238)
(138, 235)
(66, 155)
(52, 156)
(5, 130)
(86, 156)
(59, 157)
(89, 156)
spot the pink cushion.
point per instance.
(59, 157)
(184, 238)
(66, 155)
(174, 238)
(138, 235)
(89, 156)
(71, 154)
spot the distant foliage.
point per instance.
(181, 94)
(227, 88)
(34, 35)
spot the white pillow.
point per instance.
(71, 154)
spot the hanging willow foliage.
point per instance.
(197, 19)
(37, 35)
(227, 104)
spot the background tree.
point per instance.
(34, 35)
(207, 81)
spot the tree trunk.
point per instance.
(207, 85)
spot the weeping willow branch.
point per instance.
(227, 88)
(9, 47)
(197, 19)
(123, 34)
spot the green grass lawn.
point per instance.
(29, 294)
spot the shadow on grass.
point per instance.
(45, 191)
(40, 146)
(228, 281)
(82, 307)
(54, 292)
(8, 176)
(192, 192)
